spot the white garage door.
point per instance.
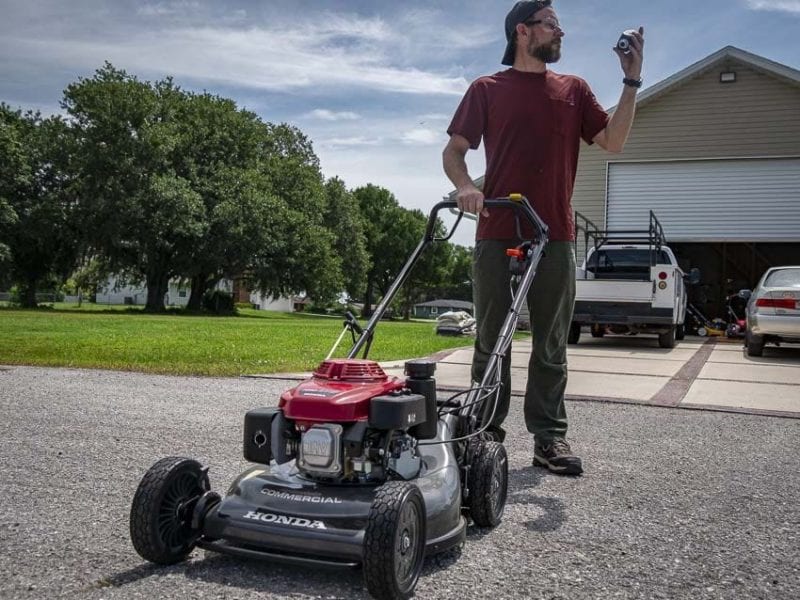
(737, 200)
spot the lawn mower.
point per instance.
(353, 467)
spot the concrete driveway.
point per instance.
(699, 373)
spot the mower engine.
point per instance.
(348, 423)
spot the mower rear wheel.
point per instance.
(394, 541)
(162, 509)
(488, 483)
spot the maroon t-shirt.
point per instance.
(531, 125)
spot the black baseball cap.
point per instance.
(521, 12)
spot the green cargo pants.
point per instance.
(550, 302)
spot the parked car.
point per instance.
(773, 309)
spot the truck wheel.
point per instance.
(667, 339)
(574, 333)
(488, 484)
(394, 541)
(755, 345)
(680, 331)
(162, 508)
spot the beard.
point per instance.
(547, 53)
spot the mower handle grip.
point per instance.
(516, 201)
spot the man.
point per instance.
(531, 121)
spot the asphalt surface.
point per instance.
(674, 503)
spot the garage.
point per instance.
(718, 215)
(714, 152)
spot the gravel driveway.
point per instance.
(674, 504)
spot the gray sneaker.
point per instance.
(556, 456)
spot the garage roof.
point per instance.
(759, 63)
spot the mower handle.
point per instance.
(516, 201)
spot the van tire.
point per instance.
(667, 339)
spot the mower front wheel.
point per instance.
(488, 484)
(162, 509)
(394, 541)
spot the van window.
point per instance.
(624, 261)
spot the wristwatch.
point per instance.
(637, 83)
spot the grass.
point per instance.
(175, 343)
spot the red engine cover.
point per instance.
(338, 391)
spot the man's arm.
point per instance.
(613, 137)
(469, 197)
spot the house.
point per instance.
(434, 308)
(115, 292)
(714, 152)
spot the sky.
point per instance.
(373, 84)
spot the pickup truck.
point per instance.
(629, 282)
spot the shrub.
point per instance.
(219, 302)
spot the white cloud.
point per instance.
(333, 53)
(425, 137)
(162, 9)
(330, 115)
(790, 6)
(349, 142)
(435, 117)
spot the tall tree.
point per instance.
(433, 266)
(218, 151)
(39, 242)
(379, 212)
(344, 220)
(392, 234)
(139, 214)
(14, 176)
(457, 284)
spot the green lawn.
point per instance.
(253, 342)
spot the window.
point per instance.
(784, 278)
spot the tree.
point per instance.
(14, 176)
(392, 233)
(36, 211)
(181, 185)
(457, 284)
(138, 213)
(344, 220)
(433, 266)
(218, 153)
(385, 243)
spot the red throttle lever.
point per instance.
(520, 258)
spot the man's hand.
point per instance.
(470, 199)
(632, 62)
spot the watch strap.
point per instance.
(637, 83)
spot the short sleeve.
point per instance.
(594, 118)
(471, 115)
